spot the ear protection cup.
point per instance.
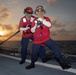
(35, 12)
(44, 12)
(24, 12)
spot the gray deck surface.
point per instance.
(9, 65)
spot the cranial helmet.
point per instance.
(28, 10)
(41, 7)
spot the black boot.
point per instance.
(64, 64)
(46, 59)
(32, 65)
(21, 62)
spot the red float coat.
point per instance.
(23, 23)
(42, 33)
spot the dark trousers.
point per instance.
(24, 44)
(50, 44)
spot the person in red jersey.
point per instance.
(40, 28)
(25, 27)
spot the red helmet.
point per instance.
(28, 10)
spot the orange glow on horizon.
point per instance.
(1, 33)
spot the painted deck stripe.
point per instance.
(72, 70)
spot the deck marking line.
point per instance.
(72, 70)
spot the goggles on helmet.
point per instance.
(39, 10)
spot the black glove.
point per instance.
(39, 23)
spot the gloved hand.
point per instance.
(24, 29)
(27, 28)
(46, 23)
(40, 19)
(39, 22)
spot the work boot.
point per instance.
(46, 59)
(32, 65)
(21, 62)
(64, 64)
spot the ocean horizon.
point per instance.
(65, 46)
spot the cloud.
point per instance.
(56, 26)
(13, 1)
(4, 12)
(62, 29)
(8, 29)
(51, 2)
(71, 27)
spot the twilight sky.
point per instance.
(61, 12)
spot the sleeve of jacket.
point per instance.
(47, 22)
(33, 27)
